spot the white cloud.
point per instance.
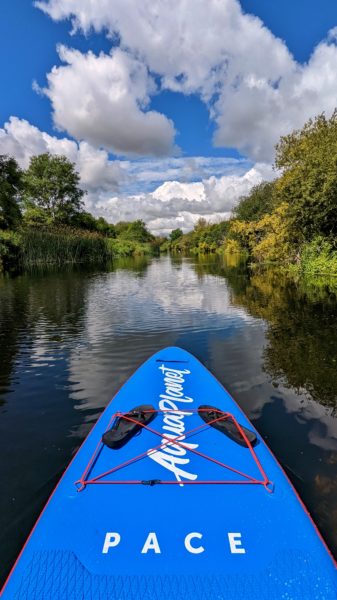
(184, 169)
(253, 87)
(22, 140)
(102, 99)
(191, 45)
(254, 114)
(176, 204)
(171, 204)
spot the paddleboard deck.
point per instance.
(181, 510)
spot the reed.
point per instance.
(66, 245)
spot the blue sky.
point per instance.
(182, 99)
(29, 38)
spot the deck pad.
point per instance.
(180, 511)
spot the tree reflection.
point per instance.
(302, 333)
(38, 308)
(301, 350)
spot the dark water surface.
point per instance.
(69, 339)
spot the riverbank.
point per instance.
(290, 221)
(315, 258)
(28, 247)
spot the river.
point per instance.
(70, 338)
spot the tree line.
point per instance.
(291, 220)
(48, 193)
(42, 217)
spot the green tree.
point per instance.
(259, 201)
(51, 184)
(84, 220)
(106, 228)
(10, 190)
(175, 234)
(308, 161)
(134, 230)
(200, 224)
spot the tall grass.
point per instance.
(32, 246)
(66, 245)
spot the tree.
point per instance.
(175, 234)
(51, 184)
(105, 228)
(267, 240)
(200, 224)
(84, 220)
(308, 160)
(258, 202)
(10, 189)
(134, 230)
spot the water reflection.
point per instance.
(298, 359)
(69, 339)
(302, 334)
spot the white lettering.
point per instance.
(175, 383)
(186, 399)
(173, 376)
(191, 548)
(235, 543)
(177, 449)
(151, 543)
(173, 425)
(173, 392)
(112, 539)
(170, 463)
(167, 405)
(171, 453)
(180, 372)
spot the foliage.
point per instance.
(308, 160)
(105, 228)
(232, 246)
(175, 234)
(55, 228)
(291, 221)
(205, 238)
(10, 188)
(300, 351)
(51, 185)
(59, 246)
(319, 257)
(260, 201)
(64, 244)
(10, 248)
(35, 216)
(134, 230)
(267, 240)
(121, 247)
(85, 220)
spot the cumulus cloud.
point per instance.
(178, 204)
(253, 114)
(171, 204)
(191, 45)
(103, 100)
(254, 88)
(22, 140)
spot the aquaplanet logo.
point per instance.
(170, 455)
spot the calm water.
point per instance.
(69, 339)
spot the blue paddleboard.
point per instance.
(189, 505)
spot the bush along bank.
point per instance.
(289, 222)
(31, 247)
(42, 220)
